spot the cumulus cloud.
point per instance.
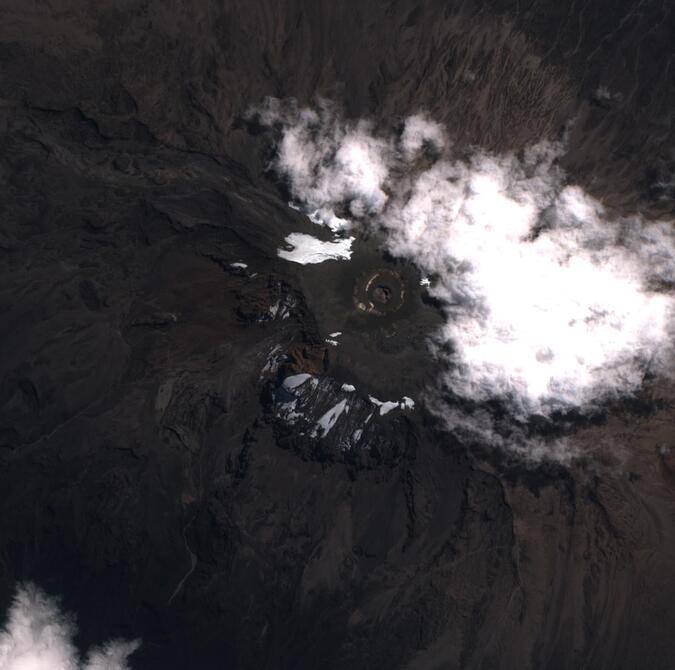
(39, 636)
(329, 164)
(420, 131)
(551, 302)
(546, 303)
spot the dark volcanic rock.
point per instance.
(147, 472)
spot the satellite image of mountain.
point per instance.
(337, 335)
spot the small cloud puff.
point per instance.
(418, 132)
(329, 165)
(39, 636)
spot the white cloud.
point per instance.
(329, 165)
(551, 302)
(420, 131)
(550, 319)
(39, 636)
(112, 656)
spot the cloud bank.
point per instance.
(39, 636)
(551, 303)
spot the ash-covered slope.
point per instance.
(160, 362)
